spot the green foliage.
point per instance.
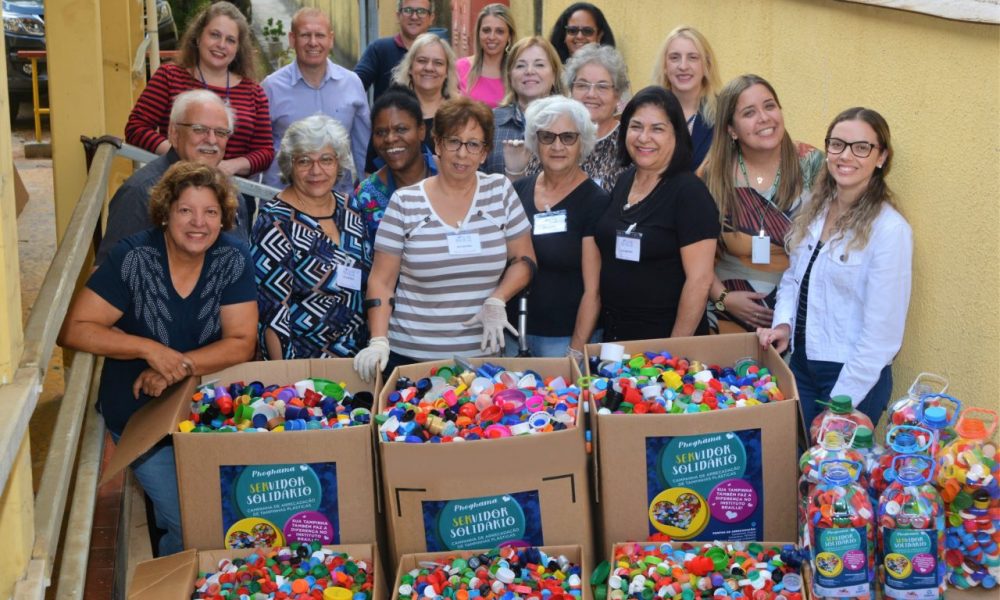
(185, 10)
(273, 31)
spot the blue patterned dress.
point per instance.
(304, 291)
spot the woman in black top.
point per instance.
(563, 204)
(657, 237)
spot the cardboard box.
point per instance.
(173, 577)
(574, 553)
(806, 579)
(237, 487)
(729, 474)
(531, 488)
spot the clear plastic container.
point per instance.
(901, 439)
(840, 406)
(911, 538)
(841, 534)
(835, 444)
(904, 410)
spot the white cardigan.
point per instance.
(857, 302)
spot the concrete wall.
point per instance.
(936, 81)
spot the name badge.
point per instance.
(760, 250)
(628, 245)
(348, 278)
(463, 243)
(553, 221)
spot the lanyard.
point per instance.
(774, 186)
(205, 83)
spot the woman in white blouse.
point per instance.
(842, 303)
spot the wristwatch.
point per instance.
(720, 304)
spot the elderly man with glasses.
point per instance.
(200, 127)
(375, 67)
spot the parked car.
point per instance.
(24, 29)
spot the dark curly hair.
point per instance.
(183, 175)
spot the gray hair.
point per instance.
(312, 134)
(605, 56)
(184, 100)
(543, 112)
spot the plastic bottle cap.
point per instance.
(841, 405)
(936, 417)
(863, 437)
(612, 352)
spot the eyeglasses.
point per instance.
(860, 149)
(409, 11)
(573, 30)
(452, 144)
(602, 88)
(568, 138)
(203, 130)
(304, 163)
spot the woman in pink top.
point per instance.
(481, 75)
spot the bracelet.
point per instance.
(376, 302)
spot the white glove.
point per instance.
(372, 359)
(575, 355)
(493, 316)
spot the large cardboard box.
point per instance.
(804, 583)
(574, 553)
(173, 577)
(718, 475)
(531, 489)
(277, 487)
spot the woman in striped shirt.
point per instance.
(216, 54)
(454, 248)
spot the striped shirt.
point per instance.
(438, 291)
(147, 124)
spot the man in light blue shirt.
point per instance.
(314, 84)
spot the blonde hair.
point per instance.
(510, 97)
(859, 217)
(710, 81)
(401, 72)
(720, 164)
(476, 63)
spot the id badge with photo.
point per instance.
(460, 244)
(550, 221)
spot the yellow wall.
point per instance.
(936, 82)
(346, 19)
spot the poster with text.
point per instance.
(274, 505)
(707, 486)
(510, 519)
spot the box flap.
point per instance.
(150, 424)
(166, 578)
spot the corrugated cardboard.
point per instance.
(623, 441)
(574, 553)
(199, 456)
(549, 467)
(173, 577)
(806, 589)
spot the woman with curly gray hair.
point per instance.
(564, 205)
(311, 250)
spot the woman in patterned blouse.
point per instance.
(311, 250)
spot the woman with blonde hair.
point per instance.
(481, 76)
(759, 178)
(687, 67)
(842, 303)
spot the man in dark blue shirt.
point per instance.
(382, 55)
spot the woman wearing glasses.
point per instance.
(481, 76)
(563, 204)
(216, 54)
(580, 24)
(759, 178)
(687, 67)
(311, 250)
(450, 252)
(842, 303)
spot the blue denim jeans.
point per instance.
(157, 474)
(816, 378)
(544, 346)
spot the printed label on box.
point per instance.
(274, 505)
(841, 562)
(706, 487)
(911, 565)
(485, 522)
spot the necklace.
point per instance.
(205, 83)
(299, 204)
(759, 178)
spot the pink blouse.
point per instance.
(488, 90)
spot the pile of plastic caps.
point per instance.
(660, 383)
(296, 572)
(506, 572)
(312, 403)
(689, 572)
(461, 403)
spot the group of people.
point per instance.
(404, 232)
